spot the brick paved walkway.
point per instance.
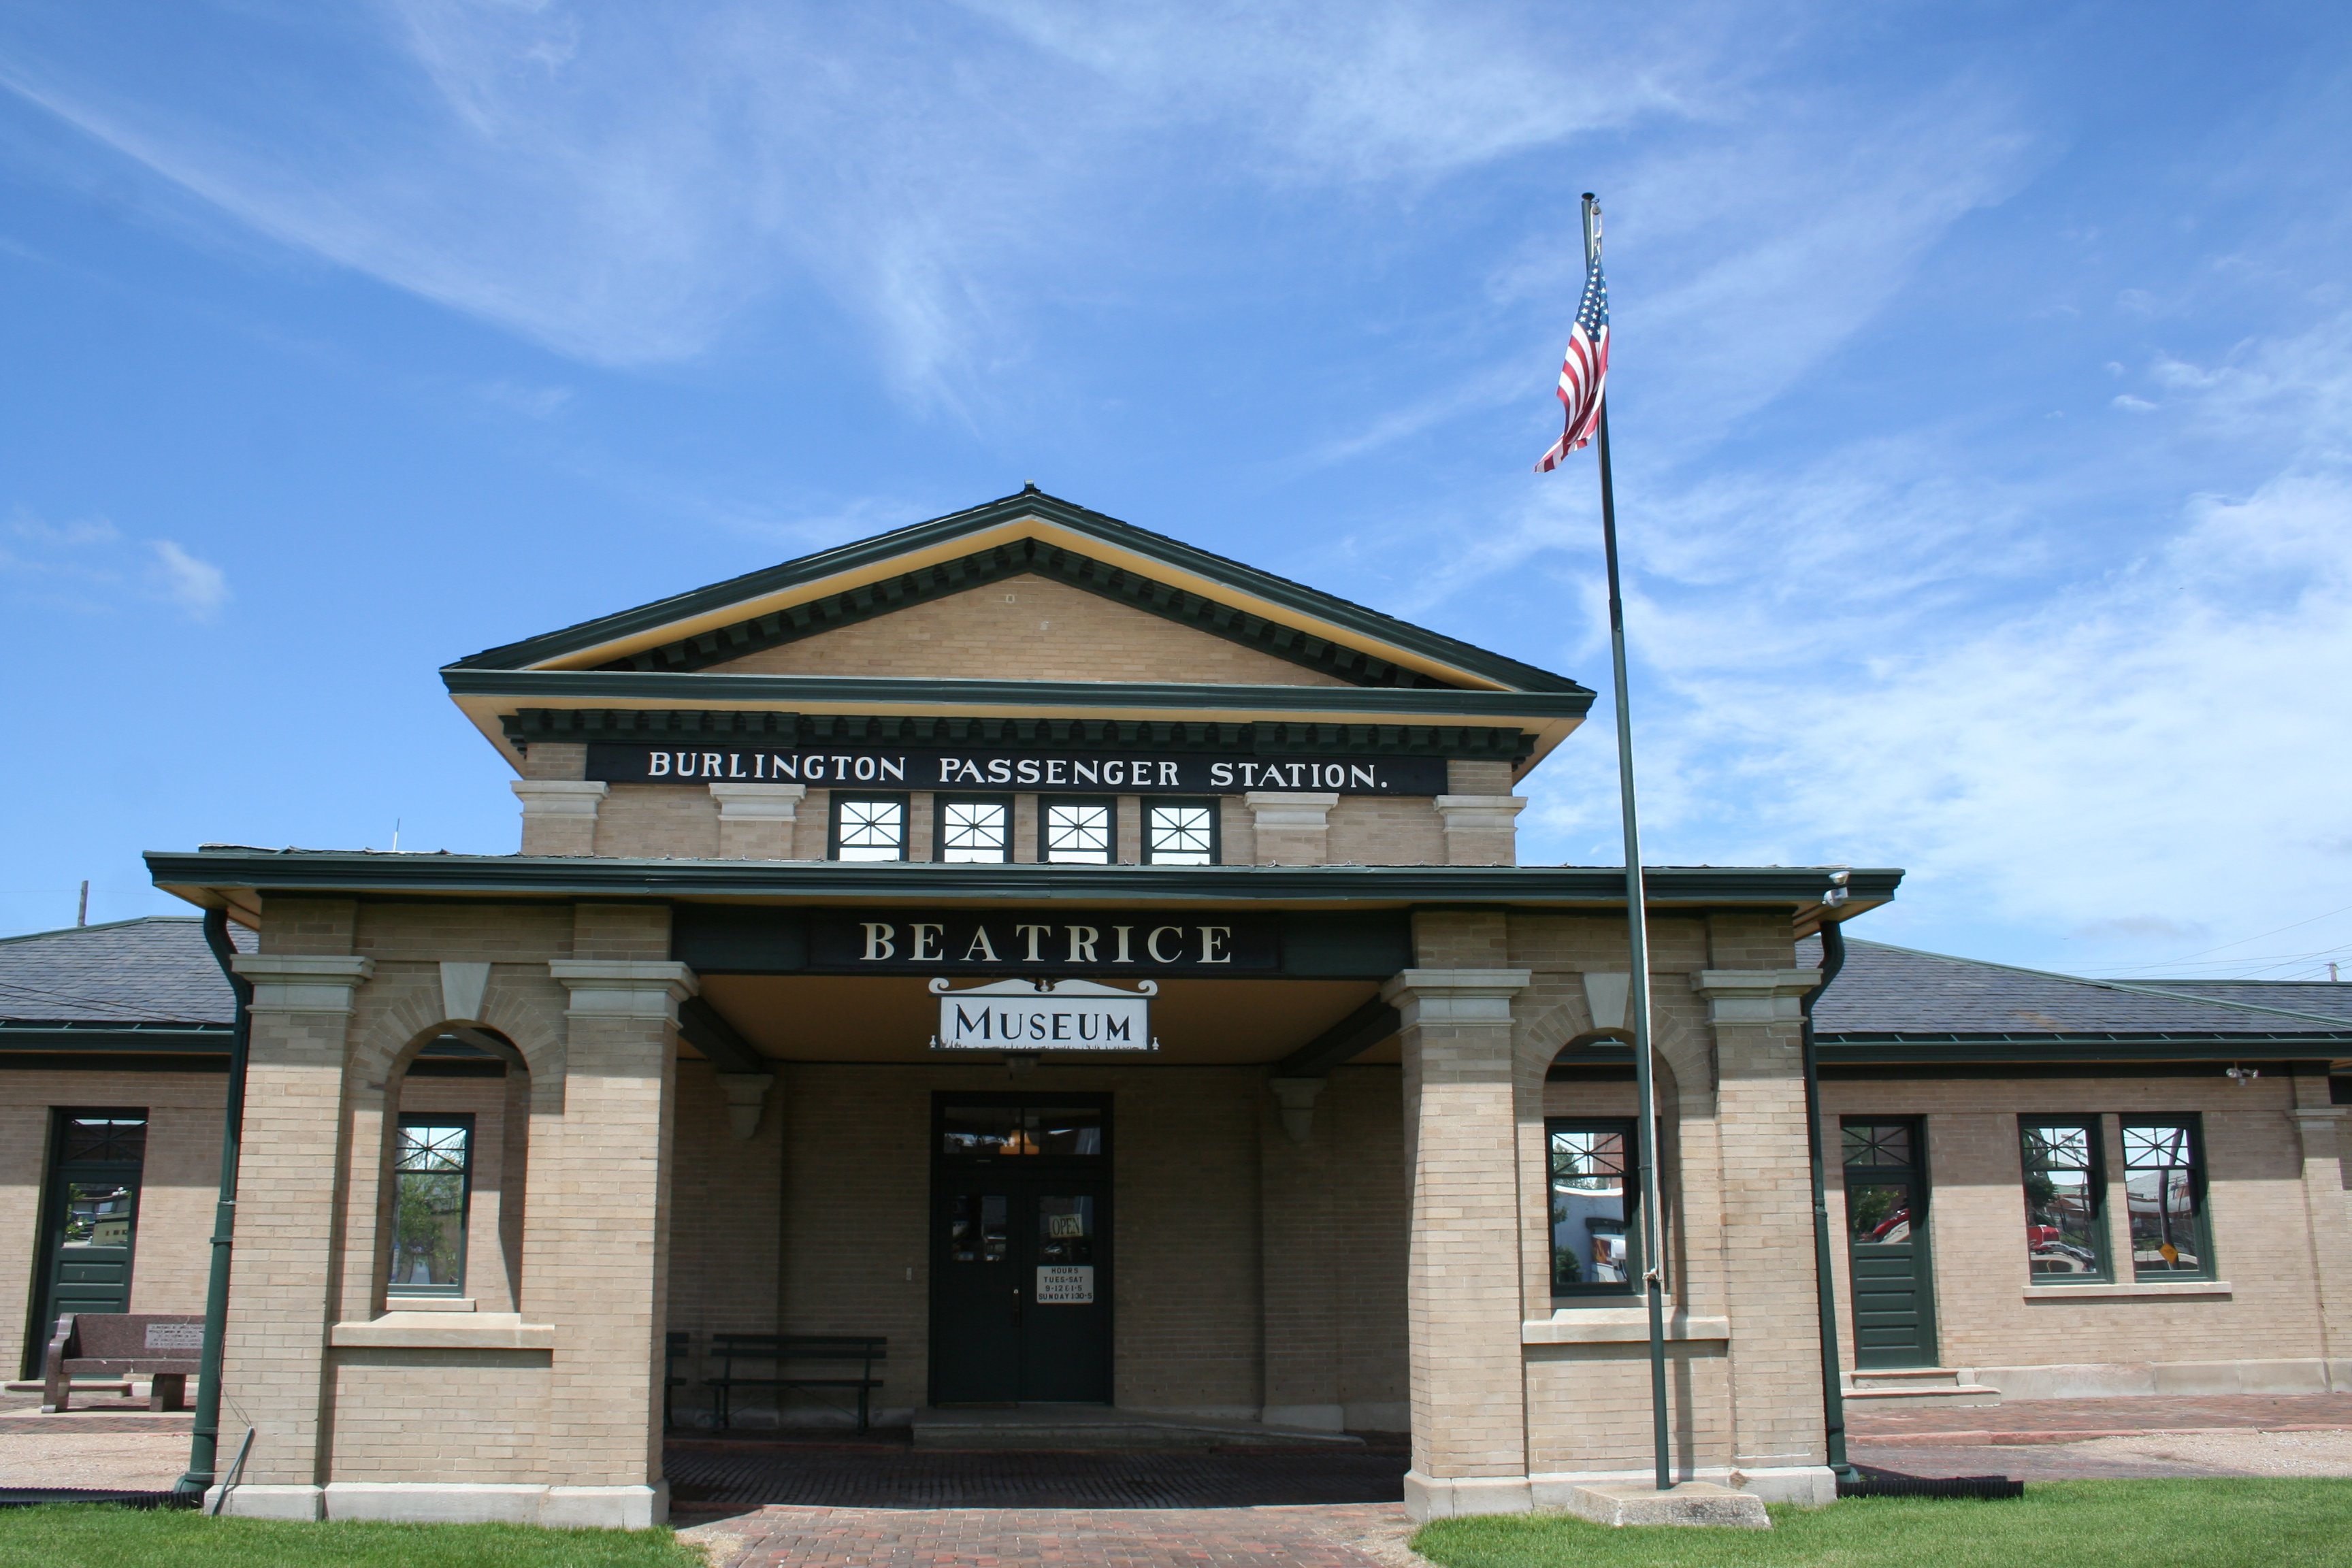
(2075, 1420)
(1356, 1536)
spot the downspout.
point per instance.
(204, 1452)
(1824, 1275)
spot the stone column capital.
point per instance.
(1755, 995)
(759, 802)
(560, 798)
(1291, 808)
(1454, 996)
(612, 988)
(303, 983)
(1480, 813)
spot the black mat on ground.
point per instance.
(714, 1473)
(1875, 1482)
(29, 1497)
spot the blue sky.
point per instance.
(1983, 392)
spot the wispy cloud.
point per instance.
(622, 188)
(87, 565)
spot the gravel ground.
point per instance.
(140, 1461)
(2240, 1453)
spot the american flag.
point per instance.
(1583, 370)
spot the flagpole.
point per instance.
(1637, 929)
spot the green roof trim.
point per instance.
(1390, 703)
(510, 876)
(145, 1039)
(699, 726)
(1110, 531)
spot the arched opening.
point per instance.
(457, 1146)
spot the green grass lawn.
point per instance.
(85, 1536)
(2060, 1524)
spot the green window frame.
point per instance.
(432, 1198)
(867, 827)
(971, 829)
(1078, 830)
(1595, 1207)
(2165, 1189)
(2064, 1164)
(1182, 833)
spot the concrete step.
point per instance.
(1048, 1427)
(1898, 1388)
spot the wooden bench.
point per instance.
(115, 1347)
(782, 1351)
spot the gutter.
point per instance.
(1824, 1274)
(203, 1451)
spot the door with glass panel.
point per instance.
(1021, 1251)
(90, 1219)
(1887, 1243)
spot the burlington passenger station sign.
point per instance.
(1044, 772)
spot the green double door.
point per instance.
(90, 1220)
(1891, 1269)
(1021, 1253)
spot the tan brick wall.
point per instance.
(1386, 830)
(555, 759)
(1333, 1256)
(170, 1254)
(725, 1224)
(2259, 1221)
(453, 1416)
(658, 821)
(299, 925)
(429, 934)
(1030, 628)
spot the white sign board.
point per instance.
(1066, 1287)
(1044, 1015)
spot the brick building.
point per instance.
(1103, 971)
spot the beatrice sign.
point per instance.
(1044, 1015)
(1040, 771)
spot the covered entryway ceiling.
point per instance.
(835, 1018)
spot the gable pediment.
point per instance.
(1027, 607)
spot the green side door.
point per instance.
(1891, 1269)
(90, 1220)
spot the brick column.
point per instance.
(596, 1249)
(757, 821)
(1779, 1445)
(1294, 827)
(2321, 1129)
(1462, 1287)
(289, 1204)
(559, 815)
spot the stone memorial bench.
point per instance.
(781, 1353)
(115, 1347)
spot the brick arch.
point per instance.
(409, 1017)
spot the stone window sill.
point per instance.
(2127, 1288)
(445, 1331)
(1616, 1326)
(397, 1302)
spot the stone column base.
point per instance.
(250, 1502)
(1453, 1497)
(460, 1502)
(1620, 1503)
